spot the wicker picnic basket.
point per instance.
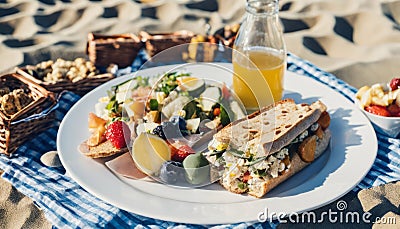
(80, 87)
(201, 49)
(157, 42)
(120, 49)
(32, 119)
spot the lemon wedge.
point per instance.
(149, 153)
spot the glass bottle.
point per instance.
(259, 56)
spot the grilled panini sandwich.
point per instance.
(264, 149)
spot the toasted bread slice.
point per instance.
(272, 127)
(104, 149)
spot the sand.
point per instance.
(358, 40)
(18, 211)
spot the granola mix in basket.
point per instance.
(13, 101)
(25, 110)
(60, 70)
(78, 75)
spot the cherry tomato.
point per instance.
(217, 111)
(182, 153)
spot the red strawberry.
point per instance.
(182, 152)
(394, 83)
(118, 133)
(378, 110)
(394, 110)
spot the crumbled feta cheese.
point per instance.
(261, 165)
(250, 181)
(254, 181)
(160, 96)
(231, 174)
(303, 135)
(212, 159)
(282, 153)
(271, 159)
(216, 162)
(281, 167)
(229, 158)
(274, 169)
(314, 127)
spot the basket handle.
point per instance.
(90, 38)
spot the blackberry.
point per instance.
(159, 132)
(171, 172)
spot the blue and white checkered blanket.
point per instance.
(67, 205)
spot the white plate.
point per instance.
(352, 153)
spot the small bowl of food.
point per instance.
(381, 104)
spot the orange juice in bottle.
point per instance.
(259, 56)
(258, 78)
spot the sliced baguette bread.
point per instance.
(272, 127)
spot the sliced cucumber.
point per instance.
(194, 86)
(209, 97)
